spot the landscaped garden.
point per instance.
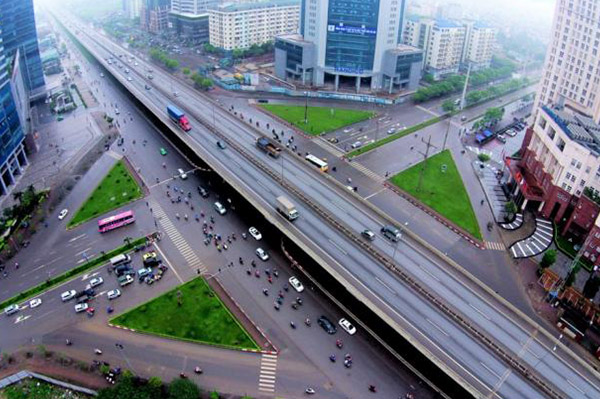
(116, 189)
(320, 119)
(36, 389)
(441, 189)
(191, 312)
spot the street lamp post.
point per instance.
(305, 107)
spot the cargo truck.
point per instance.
(269, 146)
(286, 208)
(179, 118)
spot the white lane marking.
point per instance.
(78, 237)
(338, 247)
(167, 262)
(485, 366)
(85, 250)
(20, 319)
(479, 311)
(575, 386)
(385, 285)
(438, 327)
(429, 273)
(374, 194)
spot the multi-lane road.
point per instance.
(478, 366)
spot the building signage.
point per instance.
(354, 30)
(348, 70)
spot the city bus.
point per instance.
(115, 221)
(318, 162)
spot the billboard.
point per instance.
(354, 30)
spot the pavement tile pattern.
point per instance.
(536, 243)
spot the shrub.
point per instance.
(483, 157)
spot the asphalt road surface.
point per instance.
(458, 348)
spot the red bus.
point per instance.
(115, 221)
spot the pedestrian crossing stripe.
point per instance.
(367, 171)
(497, 246)
(266, 377)
(178, 240)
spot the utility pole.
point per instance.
(464, 92)
(425, 156)
(305, 107)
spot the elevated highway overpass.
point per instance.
(484, 343)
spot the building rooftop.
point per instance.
(446, 23)
(405, 49)
(292, 37)
(236, 7)
(580, 128)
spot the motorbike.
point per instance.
(270, 280)
(276, 273)
(68, 342)
(294, 306)
(249, 272)
(97, 351)
(198, 370)
(244, 236)
(299, 301)
(309, 391)
(286, 288)
(292, 324)
(307, 322)
(183, 375)
(332, 358)
(347, 363)
(257, 274)
(372, 388)
(339, 343)
(277, 306)
(265, 291)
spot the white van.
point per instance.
(120, 259)
(220, 208)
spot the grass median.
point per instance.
(116, 189)
(61, 278)
(320, 119)
(395, 136)
(442, 189)
(190, 312)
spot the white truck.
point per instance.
(286, 208)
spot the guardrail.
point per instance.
(503, 353)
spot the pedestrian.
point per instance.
(387, 174)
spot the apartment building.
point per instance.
(240, 25)
(571, 76)
(188, 19)
(450, 45)
(478, 46)
(442, 42)
(154, 15)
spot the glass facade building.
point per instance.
(351, 35)
(17, 24)
(12, 154)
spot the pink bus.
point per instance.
(115, 221)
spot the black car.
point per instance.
(327, 325)
(123, 269)
(203, 192)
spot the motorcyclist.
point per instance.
(372, 388)
(68, 342)
(309, 391)
(197, 370)
(265, 291)
(307, 321)
(292, 324)
(332, 357)
(185, 216)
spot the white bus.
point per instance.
(318, 162)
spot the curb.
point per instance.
(436, 216)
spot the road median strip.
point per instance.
(61, 278)
(395, 136)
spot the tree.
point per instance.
(572, 275)
(548, 259)
(511, 208)
(493, 114)
(183, 389)
(171, 64)
(127, 241)
(238, 53)
(186, 70)
(449, 106)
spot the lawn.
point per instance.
(442, 191)
(200, 317)
(116, 189)
(320, 119)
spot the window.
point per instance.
(568, 176)
(560, 143)
(551, 132)
(542, 122)
(578, 165)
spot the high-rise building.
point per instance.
(17, 24)
(442, 42)
(571, 76)
(479, 43)
(12, 151)
(154, 15)
(557, 172)
(450, 45)
(240, 25)
(131, 8)
(349, 41)
(189, 19)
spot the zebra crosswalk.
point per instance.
(497, 246)
(367, 171)
(175, 236)
(330, 148)
(268, 368)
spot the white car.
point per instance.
(347, 326)
(62, 214)
(129, 79)
(126, 70)
(96, 281)
(262, 254)
(296, 284)
(356, 144)
(12, 309)
(182, 174)
(220, 208)
(81, 307)
(102, 74)
(34, 303)
(255, 233)
(135, 63)
(113, 294)
(68, 295)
